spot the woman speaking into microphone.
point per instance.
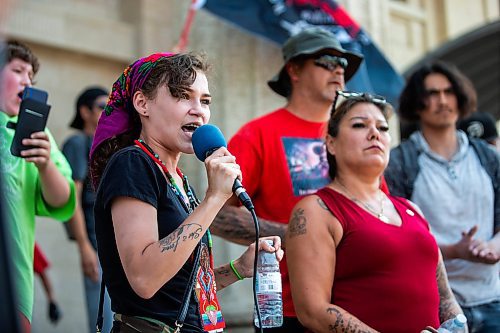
(153, 234)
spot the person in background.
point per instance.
(361, 260)
(455, 180)
(282, 154)
(89, 106)
(153, 236)
(40, 265)
(37, 184)
(480, 125)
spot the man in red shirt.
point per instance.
(282, 154)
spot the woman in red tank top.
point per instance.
(361, 260)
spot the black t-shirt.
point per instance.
(131, 173)
(76, 150)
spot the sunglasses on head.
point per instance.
(359, 96)
(330, 62)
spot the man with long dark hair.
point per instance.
(455, 180)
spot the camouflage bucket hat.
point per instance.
(308, 42)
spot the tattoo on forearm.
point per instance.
(338, 319)
(236, 225)
(322, 204)
(221, 275)
(352, 325)
(297, 225)
(223, 271)
(448, 306)
(183, 233)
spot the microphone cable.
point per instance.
(255, 261)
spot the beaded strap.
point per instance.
(191, 201)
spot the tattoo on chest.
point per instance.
(297, 225)
(183, 233)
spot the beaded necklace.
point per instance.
(190, 203)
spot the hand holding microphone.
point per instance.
(206, 140)
(221, 170)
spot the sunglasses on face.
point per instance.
(359, 96)
(100, 106)
(330, 62)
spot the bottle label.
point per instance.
(268, 282)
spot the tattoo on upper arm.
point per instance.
(297, 225)
(322, 204)
(182, 233)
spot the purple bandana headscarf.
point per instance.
(115, 119)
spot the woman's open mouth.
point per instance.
(190, 128)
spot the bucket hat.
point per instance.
(308, 42)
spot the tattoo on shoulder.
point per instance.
(322, 204)
(297, 225)
(183, 233)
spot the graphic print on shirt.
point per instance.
(307, 164)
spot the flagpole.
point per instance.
(184, 37)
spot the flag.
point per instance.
(277, 20)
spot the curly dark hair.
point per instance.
(413, 99)
(339, 113)
(178, 73)
(14, 49)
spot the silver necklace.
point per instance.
(379, 214)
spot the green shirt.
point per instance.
(23, 201)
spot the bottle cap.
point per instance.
(460, 319)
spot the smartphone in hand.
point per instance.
(33, 115)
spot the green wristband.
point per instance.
(231, 263)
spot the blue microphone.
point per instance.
(207, 139)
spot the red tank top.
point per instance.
(385, 275)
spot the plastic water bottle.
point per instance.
(454, 325)
(268, 289)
